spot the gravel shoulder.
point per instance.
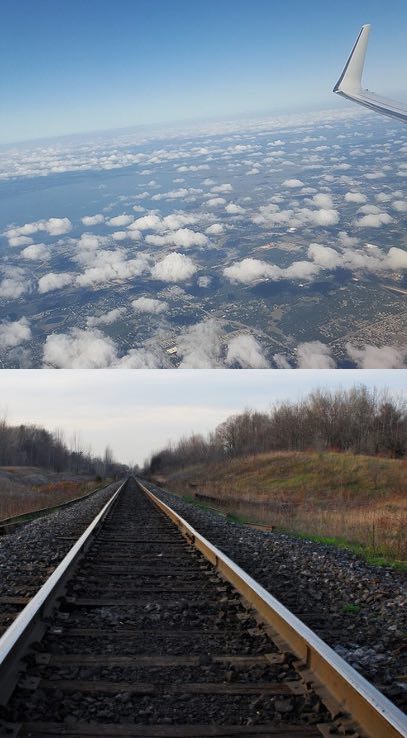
(360, 610)
(29, 555)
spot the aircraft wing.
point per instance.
(349, 84)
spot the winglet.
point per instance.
(350, 80)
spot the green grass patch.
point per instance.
(374, 558)
(350, 608)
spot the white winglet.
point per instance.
(349, 84)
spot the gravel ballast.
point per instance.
(31, 553)
(358, 609)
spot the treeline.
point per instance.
(30, 445)
(358, 421)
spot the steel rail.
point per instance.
(374, 713)
(17, 635)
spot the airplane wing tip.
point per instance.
(351, 77)
(349, 84)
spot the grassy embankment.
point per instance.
(356, 502)
(26, 489)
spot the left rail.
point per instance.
(28, 623)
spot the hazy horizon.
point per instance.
(137, 413)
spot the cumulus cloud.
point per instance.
(110, 266)
(216, 229)
(369, 258)
(357, 197)
(292, 183)
(13, 333)
(183, 238)
(373, 220)
(150, 222)
(91, 220)
(52, 226)
(120, 220)
(281, 361)
(314, 355)
(54, 281)
(271, 215)
(233, 209)
(143, 358)
(174, 268)
(149, 305)
(246, 352)
(254, 270)
(204, 281)
(19, 240)
(79, 349)
(323, 200)
(373, 357)
(400, 206)
(14, 283)
(37, 251)
(222, 188)
(200, 346)
(107, 318)
(216, 202)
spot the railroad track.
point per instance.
(145, 629)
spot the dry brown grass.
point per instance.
(18, 498)
(359, 499)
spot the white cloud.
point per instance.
(19, 240)
(183, 238)
(254, 270)
(400, 206)
(314, 355)
(222, 188)
(216, 229)
(246, 352)
(373, 357)
(37, 251)
(120, 220)
(80, 349)
(107, 318)
(200, 346)
(233, 209)
(52, 226)
(174, 268)
(323, 200)
(91, 220)
(204, 281)
(271, 215)
(215, 202)
(149, 305)
(373, 220)
(111, 266)
(281, 361)
(150, 222)
(143, 358)
(355, 197)
(13, 333)
(292, 183)
(14, 284)
(54, 281)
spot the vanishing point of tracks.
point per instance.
(145, 629)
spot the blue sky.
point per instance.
(71, 66)
(137, 412)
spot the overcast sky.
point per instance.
(137, 412)
(72, 66)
